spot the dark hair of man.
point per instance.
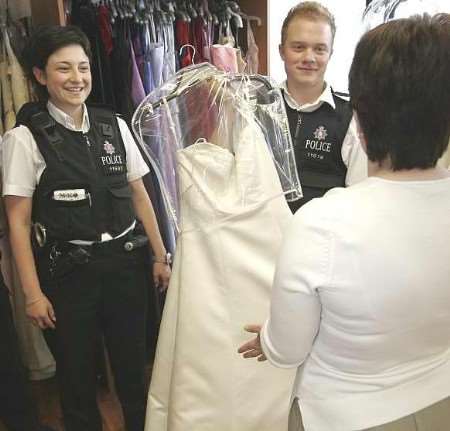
(400, 89)
(43, 43)
(309, 10)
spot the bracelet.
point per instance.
(34, 301)
(166, 259)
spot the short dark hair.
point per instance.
(43, 43)
(399, 85)
(309, 10)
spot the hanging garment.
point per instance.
(241, 64)
(19, 84)
(224, 58)
(8, 109)
(199, 381)
(229, 183)
(169, 65)
(156, 61)
(84, 15)
(121, 68)
(209, 30)
(137, 88)
(182, 32)
(1, 112)
(139, 51)
(147, 78)
(199, 32)
(251, 57)
(104, 24)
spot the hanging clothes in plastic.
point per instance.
(146, 36)
(230, 210)
(252, 56)
(380, 11)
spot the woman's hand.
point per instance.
(252, 349)
(40, 312)
(161, 275)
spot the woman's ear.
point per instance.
(39, 74)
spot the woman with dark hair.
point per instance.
(361, 298)
(72, 181)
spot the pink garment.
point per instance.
(208, 42)
(224, 58)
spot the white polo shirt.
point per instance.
(23, 163)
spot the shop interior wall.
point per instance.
(46, 12)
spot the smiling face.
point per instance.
(67, 76)
(306, 52)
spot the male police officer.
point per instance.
(327, 151)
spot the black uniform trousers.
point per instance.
(108, 294)
(17, 410)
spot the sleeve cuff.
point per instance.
(12, 190)
(133, 176)
(266, 348)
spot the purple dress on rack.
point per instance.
(137, 88)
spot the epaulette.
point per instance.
(341, 94)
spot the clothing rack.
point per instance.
(53, 12)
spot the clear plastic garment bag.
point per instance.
(202, 106)
(221, 148)
(380, 11)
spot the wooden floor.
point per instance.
(47, 400)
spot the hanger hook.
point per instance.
(188, 45)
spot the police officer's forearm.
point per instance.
(18, 210)
(145, 213)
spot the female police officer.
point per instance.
(74, 173)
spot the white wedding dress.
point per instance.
(232, 216)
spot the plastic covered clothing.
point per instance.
(221, 148)
(380, 11)
(252, 57)
(201, 103)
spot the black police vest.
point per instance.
(317, 138)
(83, 190)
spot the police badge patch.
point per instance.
(321, 133)
(112, 162)
(109, 148)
